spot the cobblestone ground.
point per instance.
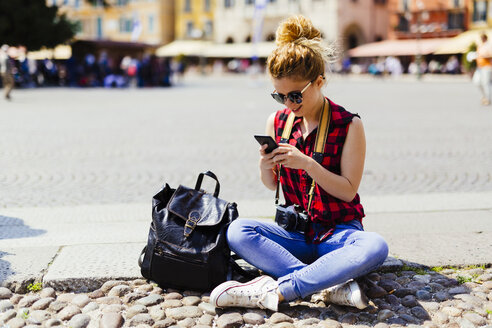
(449, 298)
(75, 146)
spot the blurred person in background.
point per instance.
(393, 66)
(6, 66)
(346, 63)
(453, 65)
(331, 249)
(434, 67)
(484, 66)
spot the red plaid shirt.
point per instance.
(326, 210)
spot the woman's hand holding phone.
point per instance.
(291, 157)
(267, 148)
(266, 159)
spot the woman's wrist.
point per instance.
(268, 169)
(309, 166)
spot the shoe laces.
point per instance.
(251, 296)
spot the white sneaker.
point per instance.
(348, 293)
(260, 292)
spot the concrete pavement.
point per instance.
(80, 247)
(79, 168)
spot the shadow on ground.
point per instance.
(13, 228)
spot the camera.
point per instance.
(292, 218)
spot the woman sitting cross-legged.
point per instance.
(328, 247)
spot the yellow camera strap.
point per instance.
(288, 128)
(319, 149)
(318, 154)
(284, 139)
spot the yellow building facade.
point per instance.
(144, 21)
(194, 19)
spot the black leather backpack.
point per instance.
(187, 247)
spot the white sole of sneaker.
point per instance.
(227, 286)
(214, 296)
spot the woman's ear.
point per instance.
(320, 81)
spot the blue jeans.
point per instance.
(302, 268)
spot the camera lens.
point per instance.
(284, 221)
(286, 218)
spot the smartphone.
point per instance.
(266, 140)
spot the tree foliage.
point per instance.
(33, 24)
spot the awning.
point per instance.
(240, 50)
(409, 47)
(215, 50)
(183, 47)
(60, 52)
(462, 42)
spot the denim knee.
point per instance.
(236, 232)
(375, 249)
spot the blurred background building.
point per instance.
(142, 42)
(351, 23)
(194, 19)
(410, 19)
(144, 21)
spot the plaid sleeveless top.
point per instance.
(326, 210)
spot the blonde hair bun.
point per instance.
(296, 29)
(300, 51)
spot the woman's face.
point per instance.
(310, 96)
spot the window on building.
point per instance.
(480, 10)
(83, 27)
(228, 3)
(208, 28)
(404, 5)
(456, 3)
(229, 40)
(187, 6)
(272, 1)
(403, 24)
(53, 2)
(248, 39)
(126, 25)
(456, 21)
(121, 3)
(99, 29)
(206, 5)
(77, 4)
(249, 2)
(189, 29)
(151, 23)
(352, 41)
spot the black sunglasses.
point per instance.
(294, 96)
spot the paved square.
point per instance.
(98, 146)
